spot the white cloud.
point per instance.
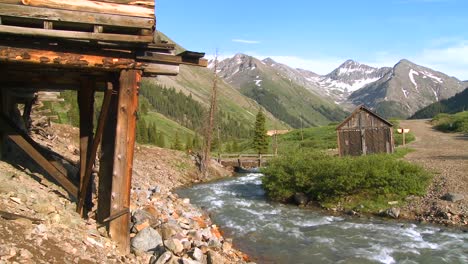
(246, 41)
(451, 60)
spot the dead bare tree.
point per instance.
(211, 120)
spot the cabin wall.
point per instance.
(364, 133)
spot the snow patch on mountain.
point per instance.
(411, 76)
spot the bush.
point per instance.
(451, 123)
(323, 177)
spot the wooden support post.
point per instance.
(85, 187)
(86, 108)
(106, 160)
(123, 156)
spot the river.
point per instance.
(276, 233)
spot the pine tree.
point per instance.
(152, 134)
(189, 143)
(177, 145)
(161, 140)
(260, 140)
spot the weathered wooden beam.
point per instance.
(23, 141)
(86, 109)
(161, 69)
(123, 157)
(90, 6)
(94, 148)
(76, 17)
(65, 59)
(106, 161)
(39, 32)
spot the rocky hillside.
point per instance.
(38, 224)
(405, 89)
(281, 90)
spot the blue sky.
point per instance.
(320, 35)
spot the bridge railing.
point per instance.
(239, 155)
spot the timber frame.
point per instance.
(88, 46)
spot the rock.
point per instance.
(393, 212)
(169, 230)
(163, 258)
(227, 246)
(453, 197)
(197, 254)
(187, 244)
(214, 258)
(393, 202)
(140, 216)
(174, 245)
(189, 261)
(40, 229)
(25, 254)
(300, 199)
(214, 243)
(142, 226)
(146, 240)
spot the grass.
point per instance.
(168, 127)
(371, 181)
(451, 123)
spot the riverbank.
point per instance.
(165, 228)
(382, 185)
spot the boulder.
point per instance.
(214, 258)
(197, 254)
(300, 199)
(140, 216)
(146, 240)
(168, 230)
(174, 245)
(393, 212)
(453, 197)
(163, 258)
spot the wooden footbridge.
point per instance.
(91, 47)
(246, 161)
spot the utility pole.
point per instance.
(209, 128)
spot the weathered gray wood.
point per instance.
(48, 25)
(23, 141)
(38, 32)
(73, 16)
(93, 6)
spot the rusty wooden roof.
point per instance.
(362, 107)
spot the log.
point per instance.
(94, 6)
(65, 59)
(73, 16)
(39, 32)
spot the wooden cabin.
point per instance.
(91, 47)
(364, 132)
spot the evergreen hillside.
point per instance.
(457, 103)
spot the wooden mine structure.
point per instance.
(364, 132)
(88, 46)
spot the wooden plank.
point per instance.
(123, 157)
(86, 109)
(106, 162)
(39, 32)
(161, 69)
(90, 6)
(86, 186)
(65, 59)
(22, 140)
(76, 17)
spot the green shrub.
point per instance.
(451, 123)
(323, 177)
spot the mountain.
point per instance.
(347, 78)
(452, 105)
(405, 89)
(283, 91)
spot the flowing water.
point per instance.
(277, 233)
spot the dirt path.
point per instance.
(445, 154)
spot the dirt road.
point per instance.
(445, 154)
